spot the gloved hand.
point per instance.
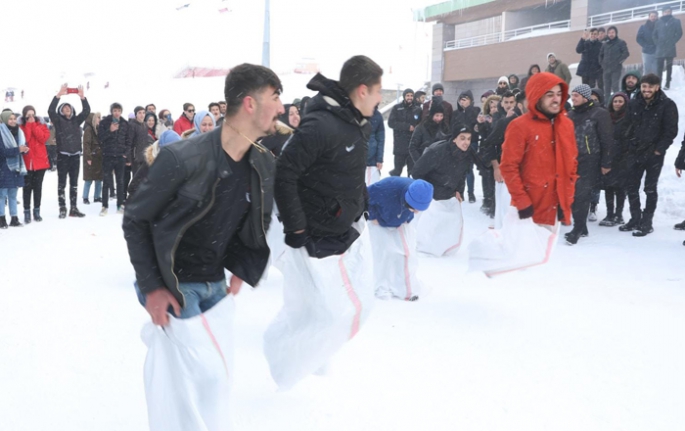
(296, 240)
(526, 213)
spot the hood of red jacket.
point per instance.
(538, 85)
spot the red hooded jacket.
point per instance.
(182, 124)
(539, 156)
(36, 134)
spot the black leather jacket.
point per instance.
(178, 192)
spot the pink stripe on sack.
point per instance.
(548, 253)
(407, 276)
(216, 344)
(461, 235)
(353, 297)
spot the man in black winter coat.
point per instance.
(467, 115)
(137, 140)
(645, 38)
(667, 32)
(205, 205)
(68, 135)
(404, 118)
(589, 68)
(679, 168)
(594, 138)
(654, 120)
(116, 155)
(611, 57)
(320, 188)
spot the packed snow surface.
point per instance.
(591, 341)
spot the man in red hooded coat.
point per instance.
(539, 154)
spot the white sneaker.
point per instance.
(592, 217)
(103, 212)
(120, 210)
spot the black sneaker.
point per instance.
(3, 223)
(62, 212)
(27, 216)
(86, 201)
(472, 198)
(618, 220)
(15, 222)
(609, 221)
(74, 212)
(36, 214)
(413, 298)
(643, 231)
(630, 226)
(97, 200)
(572, 238)
(679, 226)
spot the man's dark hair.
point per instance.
(593, 29)
(359, 70)
(213, 104)
(521, 97)
(246, 80)
(507, 94)
(654, 13)
(602, 30)
(419, 94)
(668, 7)
(222, 102)
(187, 105)
(650, 79)
(148, 106)
(114, 106)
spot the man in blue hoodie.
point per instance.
(394, 201)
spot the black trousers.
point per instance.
(33, 183)
(488, 182)
(400, 161)
(660, 69)
(589, 171)
(52, 155)
(615, 195)
(116, 164)
(650, 168)
(127, 179)
(591, 80)
(71, 166)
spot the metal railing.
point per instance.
(488, 39)
(641, 12)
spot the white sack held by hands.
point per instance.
(502, 204)
(325, 303)
(395, 261)
(275, 239)
(188, 371)
(520, 244)
(373, 175)
(440, 228)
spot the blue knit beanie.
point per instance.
(419, 195)
(168, 137)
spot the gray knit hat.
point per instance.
(584, 90)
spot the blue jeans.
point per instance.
(98, 189)
(11, 196)
(200, 297)
(470, 178)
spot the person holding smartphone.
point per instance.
(116, 154)
(68, 133)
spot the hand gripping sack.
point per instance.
(373, 175)
(325, 303)
(440, 228)
(520, 244)
(502, 204)
(395, 260)
(275, 238)
(188, 371)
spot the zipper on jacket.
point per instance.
(183, 230)
(587, 145)
(261, 197)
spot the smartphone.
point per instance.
(72, 90)
(115, 120)
(487, 117)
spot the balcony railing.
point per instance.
(635, 13)
(488, 39)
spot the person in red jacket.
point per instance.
(185, 121)
(539, 154)
(36, 161)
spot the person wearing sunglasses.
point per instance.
(185, 121)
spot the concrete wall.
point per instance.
(492, 61)
(538, 15)
(441, 34)
(596, 7)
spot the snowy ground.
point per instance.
(591, 341)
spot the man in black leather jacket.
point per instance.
(205, 205)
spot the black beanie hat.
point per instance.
(114, 106)
(407, 91)
(436, 106)
(437, 86)
(459, 129)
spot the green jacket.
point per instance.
(561, 70)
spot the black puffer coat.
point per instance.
(402, 118)
(594, 138)
(654, 125)
(115, 144)
(68, 131)
(617, 176)
(427, 133)
(589, 59)
(612, 54)
(445, 166)
(667, 32)
(320, 184)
